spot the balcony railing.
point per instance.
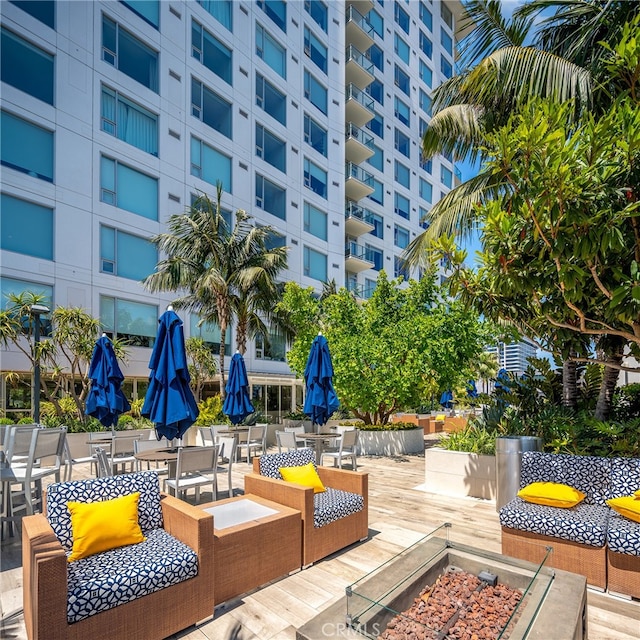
(354, 16)
(353, 210)
(360, 135)
(358, 173)
(355, 250)
(358, 68)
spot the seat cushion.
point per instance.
(334, 504)
(623, 535)
(625, 476)
(111, 578)
(584, 523)
(271, 463)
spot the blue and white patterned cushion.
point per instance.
(589, 474)
(537, 466)
(625, 476)
(623, 535)
(334, 504)
(111, 578)
(100, 489)
(584, 523)
(270, 464)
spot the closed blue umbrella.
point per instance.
(502, 380)
(169, 402)
(446, 399)
(105, 401)
(320, 397)
(472, 390)
(237, 404)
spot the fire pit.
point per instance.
(438, 589)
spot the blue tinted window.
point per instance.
(276, 10)
(378, 225)
(13, 286)
(26, 227)
(376, 125)
(378, 192)
(401, 48)
(400, 236)
(424, 222)
(377, 159)
(315, 50)
(426, 75)
(126, 188)
(425, 102)
(445, 67)
(377, 22)
(274, 102)
(376, 91)
(401, 80)
(399, 270)
(402, 111)
(134, 322)
(426, 17)
(315, 221)
(210, 333)
(315, 178)
(426, 46)
(26, 147)
(43, 10)
(271, 197)
(209, 107)
(271, 51)
(126, 255)
(402, 143)
(315, 92)
(376, 55)
(210, 164)
(148, 10)
(221, 10)
(447, 41)
(315, 264)
(214, 55)
(271, 148)
(402, 206)
(318, 11)
(315, 135)
(426, 190)
(402, 174)
(375, 255)
(446, 176)
(401, 17)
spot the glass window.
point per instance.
(377, 159)
(402, 143)
(377, 22)
(44, 10)
(426, 75)
(13, 286)
(376, 125)
(148, 10)
(134, 322)
(446, 41)
(26, 227)
(399, 270)
(128, 189)
(26, 67)
(275, 240)
(402, 174)
(425, 102)
(446, 15)
(211, 108)
(427, 165)
(128, 121)
(376, 55)
(401, 48)
(126, 255)
(318, 12)
(315, 92)
(375, 255)
(401, 206)
(446, 176)
(315, 135)
(126, 53)
(402, 111)
(369, 288)
(210, 333)
(315, 221)
(376, 91)
(26, 147)
(445, 67)
(401, 80)
(227, 215)
(315, 50)
(274, 102)
(401, 17)
(268, 48)
(424, 222)
(426, 46)
(274, 350)
(400, 236)
(221, 10)
(315, 264)
(426, 17)
(271, 148)
(214, 55)
(315, 178)
(378, 192)
(276, 10)
(378, 225)
(426, 190)
(210, 165)
(271, 197)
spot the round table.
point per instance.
(318, 439)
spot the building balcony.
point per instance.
(355, 259)
(359, 32)
(357, 220)
(363, 6)
(358, 69)
(360, 107)
(358, 182)
(358, 144)
(353, 287)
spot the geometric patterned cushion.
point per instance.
(625, 476)
(589, 474)
(111, 578)
(537, 466)
(623, 535)
(334, 504)
(99, 489)
(270, 464)
(584, 523)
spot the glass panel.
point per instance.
(270, 51)
(136, 257)
(426, 75)
(276, 10)
(318, 11)
(217, 57)
(376, 91)
(271, 100)
(136, 322)
(210, 333)
(26, 227)
(315, 49)
(426, 190)
(400, 237)
(315, 221)
(43, 10)
(446, 176)
(26, 147)
(377, 159)
(221, 10)
(216, 112)
(426, 17)
(271, 197)
(401, 48)
(447, 42)
(378, 226)
(137, 60)
(315, 178)
(377, 22)
(315, 264)
(315, 135)
(149, 10)
(402, 174)
(402, 111)
(216, 166)
(378, 192)
(13, 286)
(315, 92)
(402, 143)
(376, 55)
(426, 45)
(270, 148)
(107, 243)
(402, 205)
(137, 192)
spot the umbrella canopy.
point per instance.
(237, 404)
(472, 390)
(446, 399)
(320, 397)
(105, 400)
(502, 380)
(169, 402)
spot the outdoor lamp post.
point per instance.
(36, 311)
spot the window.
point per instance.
(275, 240)
(208, 50)
(400, 236)
(369, 288)
(426, 190)
(221, 10)
(26, 227)
(271, 197)
(426, 46)
(128, 121)
(315, 92)
(210, 108)
(401, 206)
(15, 287)
(422, 124)
(315, 264)
(378, 225)
(424, 221)
(378, 192)
(315, 135)
(377, 159)
(126, 53)
(276, 10)
(402, 111)
(427, 165)
(274, 102)
(26, 147)
(446, 15)
(270, 51)
(375, 255)
(426, 17)
(401, 17)
(377, 22)
(446, 41)
(126, 255)
(446, 176)
(315, 221)
(318, 12)
(148, 10)
(210, 333)
(227, 215)
(134, 322)
(402, 143)
(274, 349)
(376, 125)
(315, 178)
(210, 165)
(26, 67)
(426, 75)
(315, 50)
(45, 10)
(402, 174)
(270, 148)
(376, 91)
(445, 67)
(401, 48)
(401, 80)
(425, 102)
(376, 55)
(128, 189)
(399, 270)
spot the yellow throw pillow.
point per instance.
(100, 526)
(305, 475)
(551, 494)
(629, 507)
(636, 495)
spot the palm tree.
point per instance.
(215, 268)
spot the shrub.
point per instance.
(211, 412)
(390, 426)
(25, 420)
(471, 440)
(6, 421)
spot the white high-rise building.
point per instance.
(115, 114)
(513, 356)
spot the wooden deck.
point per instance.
(400, 513)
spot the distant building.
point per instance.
(513, 356)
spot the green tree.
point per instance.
(201, 363)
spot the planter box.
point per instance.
(388, 443)
(456, 473)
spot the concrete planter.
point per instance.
(388, 443)
(457, 473)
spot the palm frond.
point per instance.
(455, 130)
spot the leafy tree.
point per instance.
(201, 363)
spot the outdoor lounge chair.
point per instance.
(331, 520)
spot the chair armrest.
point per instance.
(352, 481)
(187, 523)
(288, 494)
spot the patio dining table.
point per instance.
(319, 440)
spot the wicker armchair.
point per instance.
(321, 535)
(155, 615)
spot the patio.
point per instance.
(400, 513)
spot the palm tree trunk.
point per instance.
(223, 337)
(608, 385)
(569, 383)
